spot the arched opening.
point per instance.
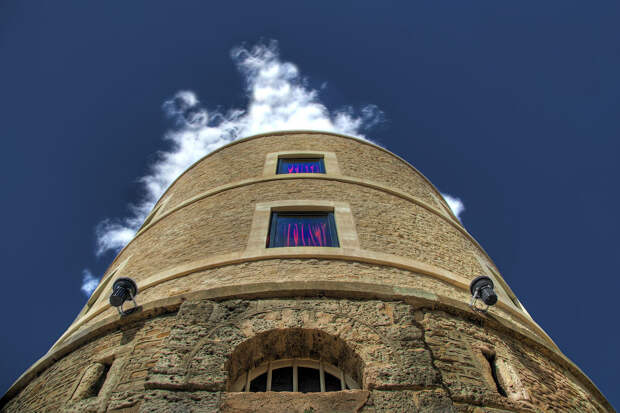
(297, 375)
(300, 360)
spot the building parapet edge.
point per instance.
(344, 254)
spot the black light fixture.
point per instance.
(482, 288)
(124, 289)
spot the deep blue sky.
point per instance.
(512, 107)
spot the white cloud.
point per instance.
(278, 99)
(456, 204)
(89, 282)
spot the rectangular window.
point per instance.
(302, 229)
(301, 166)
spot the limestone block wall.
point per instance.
(245, 159)
(129, 351)
(275, 271)
(221, 223)
(207, 219)
(388, 307)
(405, 357)
(530, 379)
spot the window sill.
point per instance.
(340, 401)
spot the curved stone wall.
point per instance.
(245, 159)
(393, 297)
(209, 212)
(221, 224)
(407, 358)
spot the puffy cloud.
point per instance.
(456, 204)
(115, 234)
(278, 99)
(89, 282)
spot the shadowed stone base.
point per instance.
(402, 357)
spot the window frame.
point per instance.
(331, 227)
(244, 381)
(284, 158)
(330, 162)
(259, 231)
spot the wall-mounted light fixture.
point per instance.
(124, 289)
(482, 288)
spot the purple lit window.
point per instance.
(301, 166)
(302, 229)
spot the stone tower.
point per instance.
(303, 272)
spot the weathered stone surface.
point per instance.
(187, 361)
(347, 401)
(385, 223)
(464, 408)
(354, 159)
(428, 354)
(163, 401)
(428, 401)
(359, 336)
(275, 270)
(529, 380)
(53, 390)
(86, 387)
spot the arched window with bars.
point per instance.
(294, 360)
(296, 375)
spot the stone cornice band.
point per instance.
(342, 289)
(338, 178)
(81, 332)
(307, 132)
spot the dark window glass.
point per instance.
(309, 380)
(259, 383)
(300, 229)
(301, 166)
(332, 383)
(282, 379)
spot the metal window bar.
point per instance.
(295, 376)
(322, 376)
(269, 376)
(247, 379)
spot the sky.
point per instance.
(511, 109)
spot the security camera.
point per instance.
(481, 288)
(124, 289)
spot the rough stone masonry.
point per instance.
(384, 314)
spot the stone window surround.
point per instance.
(345, 225)
(506, 377)
(329, 159)
(243, 383)
(93, 375)
(115, 359)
